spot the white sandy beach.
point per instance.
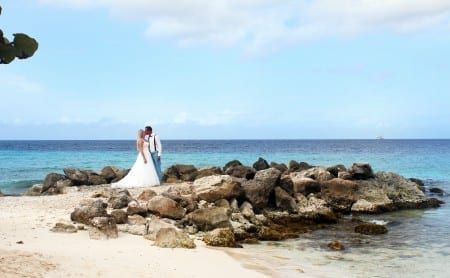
(29, 249)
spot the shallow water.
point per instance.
(417, 245)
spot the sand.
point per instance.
(29, 249)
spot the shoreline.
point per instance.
(28, 247)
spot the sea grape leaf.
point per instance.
(25, 46)
(7, 54)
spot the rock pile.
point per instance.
(237, 203)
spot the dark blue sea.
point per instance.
(418, 241)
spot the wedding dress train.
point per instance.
(141, 174)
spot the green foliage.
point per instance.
(21, 47)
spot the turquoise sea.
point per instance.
(418, 241)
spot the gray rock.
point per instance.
(64, 228)
(284, 201)
(210, 218)
(120, 216)
(257, 191)
(214, 188)
(108, 173)
(34, 190)
(304, 185)
(85, 213)
(261, 164)
(241, 171)
(51, 180)
(361, 171)
(77, 176)
(221, 237)
(165, 207)
(231, 164)
(137, 207)
(171, 238)
(340, 194)
(103, 228)
(120, 199)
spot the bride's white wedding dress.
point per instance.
(141, 174)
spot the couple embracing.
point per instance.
(146, 171)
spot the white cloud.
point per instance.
(268, 24)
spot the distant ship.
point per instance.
(379, 137)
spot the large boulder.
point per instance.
(146, 195)
(284, 201)
(286, 183)
(34, 190)
(210, 218)
(165, 207)
(361, 171)
(258, 190)
(103, 228)
(241, 171)
(95, 178)
(280, 166)
(389, 191)
(295, 166)
(340, 194)
(171, 238)
(77, 176)
(335, 169)
(319, 174)
(231, 163)
(188, 201)
(315, 209)
(221, 237)
(51, 180)
(85, 213)
(154, 225)
(120, 216)
(304, 185)
(120, 199)
(208, 171)
(108, 173)
(137, 207)
(180, 172)
(217, 187)
(261, 164)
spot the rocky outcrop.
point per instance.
(247, 204)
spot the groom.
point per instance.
(155, 149)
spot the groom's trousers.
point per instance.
(157, 163)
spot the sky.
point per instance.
(228, 69)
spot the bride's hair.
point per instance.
(140, 132)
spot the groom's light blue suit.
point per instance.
(155, 149)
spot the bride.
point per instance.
(143, 172)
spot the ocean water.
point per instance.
(418, 241)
